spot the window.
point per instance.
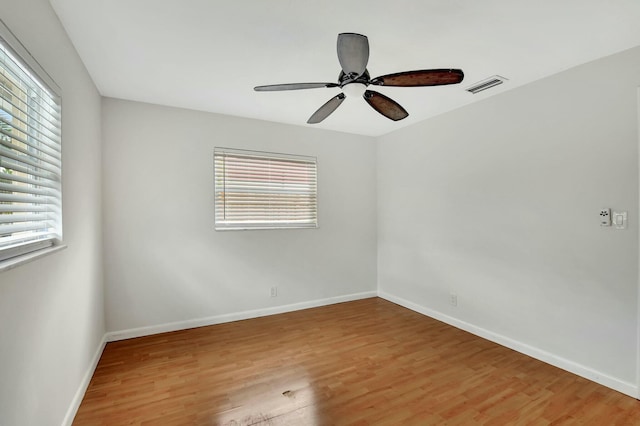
(30, 155)
(259, 190)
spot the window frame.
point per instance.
(312, 161)
(15, 255)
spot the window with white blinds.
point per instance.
(30, 159)
(259, 190)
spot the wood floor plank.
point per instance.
(357, 363)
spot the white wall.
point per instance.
(165, 263)
(51, 310)
(499, 202)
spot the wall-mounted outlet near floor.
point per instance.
(274, 291)
(453, 298)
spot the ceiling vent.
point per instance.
(486, 84)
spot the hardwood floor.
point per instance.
(357, 363)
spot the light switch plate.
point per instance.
(619, 219)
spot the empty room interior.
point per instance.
(304, 213)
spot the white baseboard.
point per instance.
(237, 316)
(84, 384)
(557, 361)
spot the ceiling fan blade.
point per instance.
(385, 106)
(325, 110)
(353, 53)
(292, 86)
(437, 77)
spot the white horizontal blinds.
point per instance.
(30, 160)
(264, 190)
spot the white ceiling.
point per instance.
(209, 54)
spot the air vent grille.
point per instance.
(486, 84)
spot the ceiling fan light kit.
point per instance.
(354, 79)
(354, 89)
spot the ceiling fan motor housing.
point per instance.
(345, 79)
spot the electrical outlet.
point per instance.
(605, 217)
(453, 299)
(274, 291)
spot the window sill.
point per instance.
(5, 265)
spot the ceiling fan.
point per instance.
(353, 54)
